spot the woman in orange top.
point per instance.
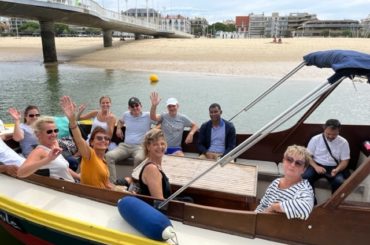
(94, 169)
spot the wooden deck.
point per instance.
(232, 178)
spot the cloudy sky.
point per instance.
(216, 10)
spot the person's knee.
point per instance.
(337, 181)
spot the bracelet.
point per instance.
(73, 127)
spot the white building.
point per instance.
(176, 22)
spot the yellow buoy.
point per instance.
(153, 79)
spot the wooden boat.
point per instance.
(43, 210)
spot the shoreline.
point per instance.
(236, 57)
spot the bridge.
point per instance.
(80, 12)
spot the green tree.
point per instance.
(92, 31)
(61, 29)
(28, 28)
(218, 26)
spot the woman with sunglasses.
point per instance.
(103, 118)
(290, 194)
(47, 155)
(94, 169)
(23, 132)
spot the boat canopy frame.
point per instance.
(345, 63)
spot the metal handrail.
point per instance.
(269, 90)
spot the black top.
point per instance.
(166, 187)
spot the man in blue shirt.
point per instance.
(216, 137)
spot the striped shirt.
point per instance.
(296, 202)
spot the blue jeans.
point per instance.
(311, 175)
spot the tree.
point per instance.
(28, 28)
(61, 29)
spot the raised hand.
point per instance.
(16, 115)
(68, 107)
(155, 99)
(81, 108)
(54, 153)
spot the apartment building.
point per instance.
(316, 28)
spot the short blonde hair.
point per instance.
(150, 137)
(300, 151)
(38, 125)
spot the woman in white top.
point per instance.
(290, 194)
(23, 132)
(103, 118)
(47, 155)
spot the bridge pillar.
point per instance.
(48, 41)
(107, 36)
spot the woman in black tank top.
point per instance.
(153, 180)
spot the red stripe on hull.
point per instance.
(25, 238)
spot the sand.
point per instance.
(253, 57)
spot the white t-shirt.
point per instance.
(8, 156)
(136, 127)
(339, 148)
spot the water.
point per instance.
(24, 83)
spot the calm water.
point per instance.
(24, 83)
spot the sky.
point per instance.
(218, 11)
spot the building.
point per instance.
(330, 28)
(242, 24)
(4, 25)
(365, 27)
(176, 22)
(296, 20)
(199, 26)
(256, 26)
(15, 23)
(145, 14)
(276, 26)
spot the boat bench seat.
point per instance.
(265, 169)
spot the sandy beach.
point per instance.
(253, 57)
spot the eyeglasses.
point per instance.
(134, 105)
(50, 131)
(101, 138)
(296, 162)
(33, 115)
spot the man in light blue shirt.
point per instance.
(137, 123)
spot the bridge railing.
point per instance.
(94, 8)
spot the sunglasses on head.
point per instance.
(33, 115)
(296, 162)
(50, 131)
(101, 138)
(134, 105)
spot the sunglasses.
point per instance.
(50, 131)
(296, 162)
(33, 115)
(101, 138)
(134, 105)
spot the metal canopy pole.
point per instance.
(259, 135)
(264, 94)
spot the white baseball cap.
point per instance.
(172, 101)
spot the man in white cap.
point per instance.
(172, 124)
